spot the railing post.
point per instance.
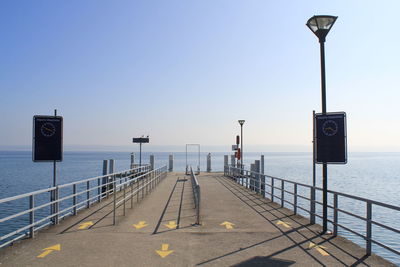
(115, 198)
(87, 194)
(74, 198)
(99, 190)
(171, 163)
(132, 160)
(32, 216)
(225, 165)
(257, 169)
(282, 193)
(198, 205)
(131, 194)
(111, 170)
(142, 187)
(262, 171)
(147, 183)
(57, 205)
(312, 205)
(272, 188)
(137, 189)
(335, 214)
(124, 197)
(369, 228)
(152, 162)
(295, 199)
(104, 187)
(252, 180)
(209, 162)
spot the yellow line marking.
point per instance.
(285, 224)
(320, 249)
(171, 225)
(228, 225)
(44, 253)
(85, 225)
(140, 225)
(164, 252)
(48, 250)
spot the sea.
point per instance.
(373, 176)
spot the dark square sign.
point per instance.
(47, 138)
(331, 142)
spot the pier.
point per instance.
(160, 218)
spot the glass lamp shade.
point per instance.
(241, 122)
(321, 25)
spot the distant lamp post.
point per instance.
(320, 26)
(241, 122)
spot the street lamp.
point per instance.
(320, 26)
(241, 122)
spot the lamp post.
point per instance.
(320, 26)
(241, 122)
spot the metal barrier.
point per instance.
(196, 194)
(72, 197)
(251, 179)
(149, 181)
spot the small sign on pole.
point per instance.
(238, 155)
(140, 140)
(47, 138)
(331, 138)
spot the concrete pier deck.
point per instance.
(238, 228)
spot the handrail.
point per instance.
(84, 193)
(196, 194)
(257, 182)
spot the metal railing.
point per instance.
(196, 194)
(279, 188)
(145, 184)
(71, 198)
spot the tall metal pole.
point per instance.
(313, 141)
(53, 195)
(54, 162)
(324, 165)
(241, 146)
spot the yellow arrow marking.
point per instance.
(228, 225)
(48, 250)
(164, 252)
(320, 249)
(140, 225)
(286, 224)
(85, 225)
(171, 225)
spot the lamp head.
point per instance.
(321, 25)
(241, 122)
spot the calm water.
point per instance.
(370, 175)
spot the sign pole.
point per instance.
(313, 177)
(55, 162)
(47, 147)
(54, 209)
(140, 141)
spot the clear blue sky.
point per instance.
(186, 71)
